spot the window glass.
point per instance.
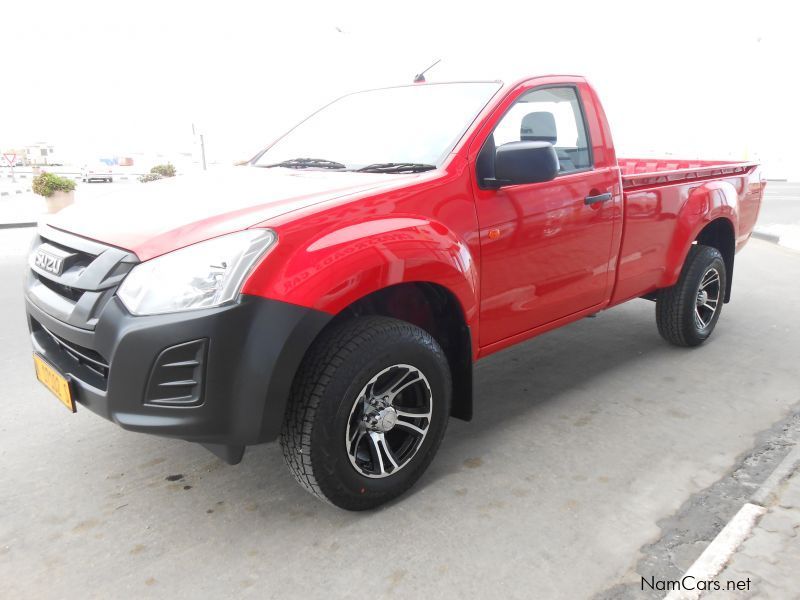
(549, 115)
(417, 124)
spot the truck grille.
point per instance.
(62, 290)
(76, 289)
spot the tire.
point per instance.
(682, 319)
(330, 435)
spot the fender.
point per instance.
(705, 203)
(331, 270)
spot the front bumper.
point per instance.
(218, 376)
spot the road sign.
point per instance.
(11, 159)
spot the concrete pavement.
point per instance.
(586, 442)
(769, 560)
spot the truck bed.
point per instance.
(655, 193)
(647, 172)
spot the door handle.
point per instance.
(598, 198)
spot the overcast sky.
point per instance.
(697, 79)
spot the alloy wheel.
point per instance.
(707, 301)
(389, 421)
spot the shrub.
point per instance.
(46, 184)
(167, 170)
(150, 177)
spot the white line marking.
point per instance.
(720, 550)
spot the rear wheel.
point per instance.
(688, 311)
(368, 411)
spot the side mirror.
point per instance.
(523, 162)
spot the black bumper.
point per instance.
(217, 376)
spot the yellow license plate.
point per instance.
(54, 381)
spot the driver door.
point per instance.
(545, 247)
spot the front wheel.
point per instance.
(368, 411)
(688, 311)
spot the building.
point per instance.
(41, 153)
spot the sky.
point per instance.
(690, 79)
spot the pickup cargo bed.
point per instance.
(646, 172)
(654, 242)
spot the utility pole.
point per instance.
(202, 146)
(203, 151)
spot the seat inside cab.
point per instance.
(552, 115)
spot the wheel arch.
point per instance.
(427, 305)
(408, 267)
(719, 234)
(709, 216)
(435, 309)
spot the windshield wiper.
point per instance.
(307, 163)
(399, 167)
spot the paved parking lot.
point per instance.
(586, 444)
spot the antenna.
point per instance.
(420, 77)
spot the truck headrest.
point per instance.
(539, 127)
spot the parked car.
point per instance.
(336, 292)
(98, 171)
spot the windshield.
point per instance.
(416, 124)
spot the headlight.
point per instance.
(203, 275)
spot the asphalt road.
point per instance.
(780, 213)
(586, 443)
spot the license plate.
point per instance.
(54, 381)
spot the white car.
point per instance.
(97, 172)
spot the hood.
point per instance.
(157, 217)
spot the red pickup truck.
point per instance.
(336, 291)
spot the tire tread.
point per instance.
(671, 315)
(318, 369)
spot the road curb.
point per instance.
(16, 225)
(765, 494)
(768, 237)
(718, 553)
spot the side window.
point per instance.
(549, 115)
